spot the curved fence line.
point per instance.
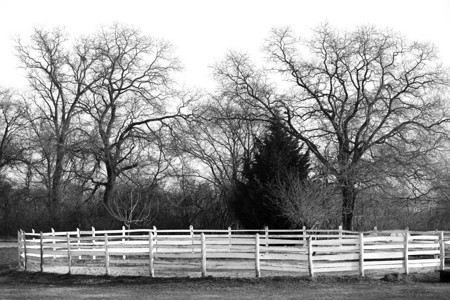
(217, 252)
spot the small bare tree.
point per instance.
(131, 205)
(310, 203)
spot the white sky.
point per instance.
(203, 30)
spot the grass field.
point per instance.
(22, 285)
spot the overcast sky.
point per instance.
(203, 30)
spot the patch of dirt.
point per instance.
(396, 277)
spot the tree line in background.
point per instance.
(340, 128)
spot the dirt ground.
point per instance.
(34, 285)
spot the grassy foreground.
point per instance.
(21, 285)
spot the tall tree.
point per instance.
(354, 98)
(12, 126)
(58, 76)
(277, 157)
(131, 108)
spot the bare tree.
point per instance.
(131, 205)
(219, 141)
(351, 97)
(132, 107)
(59, 77)
(311, 203)
(12, 125)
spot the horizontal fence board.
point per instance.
(386, 239)
(280, 241)
(178, 255)
(425, 265)
(420, 261)
(33, 255)
(164, 249)
(124, 246)
(177, 243)
(423, 237)
(336, 249)
(283, 267)
(383, 246)
(229, 255)
(335, 257)
(243, 248)
(430, 245)
(383, 255)
(339, 269)
(382, 262)
(276, 256)
(424, 252)
(335, 242)
(131, 243)
(128, 252)
(335, 265)
(161, 238)
(282, 236)
(234, 241)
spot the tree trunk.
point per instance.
(56, 190)
(110, 185)
(348, 203)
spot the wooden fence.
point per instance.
(219, 252)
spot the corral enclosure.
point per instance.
(229, 252)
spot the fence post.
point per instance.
(340, 235)
(361, 254)
(155, 232)
(203, 255)
(123, 240)
(69, 255)
(191, 232)
(18, 249)
(25, 250)
(310, 257)
(442, 246)
(304, 237)
(266, 229)
(150, 254)
(41, 246)
(229, 239)
(257, 265)
(53, 234)
(93, 240)
(406, 252)
(78, 242)
(106, 255)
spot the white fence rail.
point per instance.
(207, 252)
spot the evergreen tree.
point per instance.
(276, 157)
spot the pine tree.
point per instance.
(276, 157)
